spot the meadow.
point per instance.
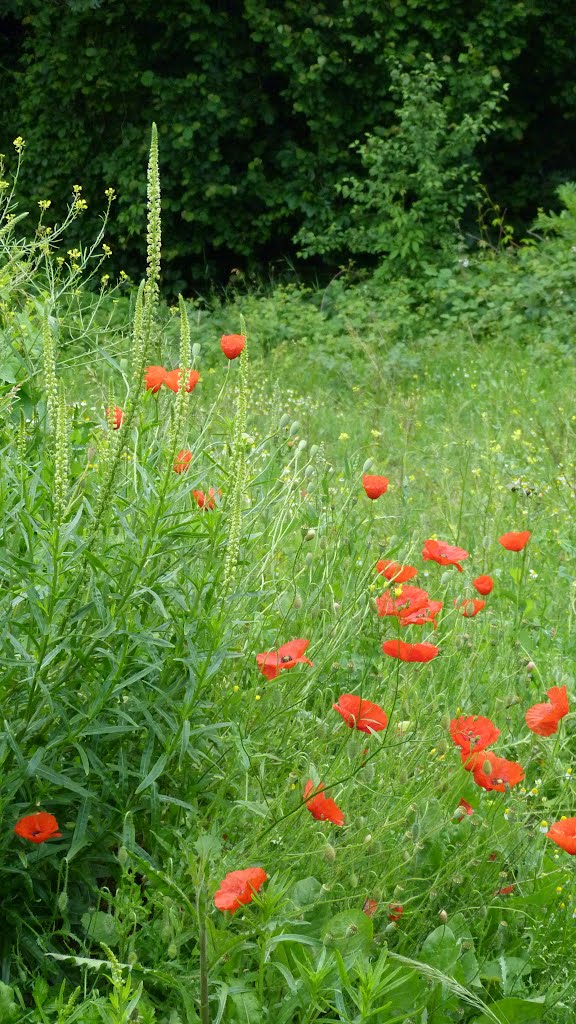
(208, 511)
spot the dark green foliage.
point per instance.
(258, 103)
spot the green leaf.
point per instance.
(440, 950)
(514, 1011)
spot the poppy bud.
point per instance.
(336, 606)
(530, 666)
(302, 444)
(309, 471)
(284, 420)
(405, 855)
(313, 450)
(63, 902)
(459, 813)
(294, 428)
(368, 465)
(487, 768)
(172, 951)
(390, 928)
(329, 853)
(398, 890)
(309, 558)
(368, 839)
(297, 602)
(443, 917)
(353, 880)
(195, 350)
(310, 534)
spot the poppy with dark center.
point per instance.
(286, 656)
(172, 379)
(543, 719)
(182, 461)
(473, 732)
(483, 584)
(396, 572)
(401, 600)
(563, 833)
(154, 378)
(238, 888)
(395, 911)
(321, 807)
(116, 415)
(374, 486)
(444, 554)
(496, 773)
(410, 652)
(470, 606)
(232, 345)
(370, 907)
(420, 616)
(38, 827)
(206, 500)
(361, 714)
(515, 541)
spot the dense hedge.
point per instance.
(257, 103)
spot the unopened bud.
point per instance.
(368, 839)
(487, 768)
(530, 666)
(353, 880)
(368, 465)
(459, 813)
(172, 951)
(294, 428)
(310, 534)
(309, 558)
(122, 855)
(63, 902)
(302, 444)
(196, 348)
(313, 450)
(309, 471)
(443, 917)
(336, 606)
(297, 602)
(284, 420)
(390, 928)
(329, 853)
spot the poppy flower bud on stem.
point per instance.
(297, 602)
(329, 853)
(368, 465)
(310, 534)
(443, 917)
(294, 428)
(530, 666)
(196, 348)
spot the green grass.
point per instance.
(135, 713)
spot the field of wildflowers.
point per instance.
(287, 666)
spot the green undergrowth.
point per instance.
(133, 708)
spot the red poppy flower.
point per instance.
(361, 714)
(206, 500)
(38, 827)
(473, 732)
(232, 345)
(238, 888)
(496, 773)
(154, 378)
(395, 571)
(422, 615)
(322, 807)
(483, 584)
(469, 761)
(286, 656)
(182, 461)
(444, 554)
(471, 606)
(559, 698)
(410, 652)
(172, 379)
(395, 911)
(463, 810)
(375, 486)
(370, 907)
(515, 541)
(117, 416)
(400, 601)
(505, 891)
(563, 833)
(543, 718)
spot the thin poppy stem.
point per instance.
(520, 584)
(203, 954)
